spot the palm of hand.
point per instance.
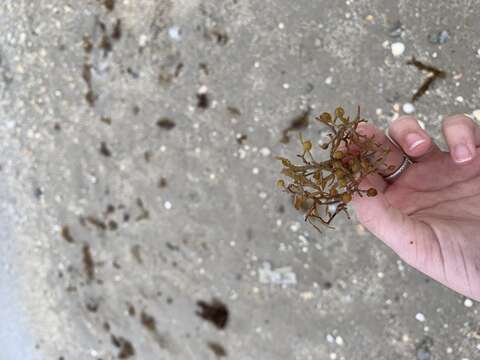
(439, 203)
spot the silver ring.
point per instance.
(403, 166)
(396, 174)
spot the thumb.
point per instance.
(387, 223)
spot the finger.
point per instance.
(412, 139)
(462, 136)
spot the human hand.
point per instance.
(430, 215)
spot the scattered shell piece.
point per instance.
(167, 205)
(174, 33)
(476, 114)
(468, 303)
(459, 98)
(330, 338)
(420, 317)
(142, 40)
(328, 80)
(339, 340)
(307, 295)
(295, 227)
(408, 108)
(279, 276)
(281, 26)
(398, 48)
(265, 151)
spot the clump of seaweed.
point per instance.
(324, 188)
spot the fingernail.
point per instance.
(414, 140)
(461, 153)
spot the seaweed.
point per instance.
(433, 74)
(299, 122)
(324, 189)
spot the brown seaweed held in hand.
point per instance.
(323, 189)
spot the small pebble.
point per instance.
(339, 340)
(255, 171)
(295, 227)
(286, 86)
(328, 80)
(397, 30)
(408, 108)
(142, 40)
(174, 33)
(449, 350)
(459, 98)
(398, 49)
(281, 26)
(420, 317)
(167, 205)
(265, 151)
(439, 38)
(468, 303)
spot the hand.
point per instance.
(430, 215)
